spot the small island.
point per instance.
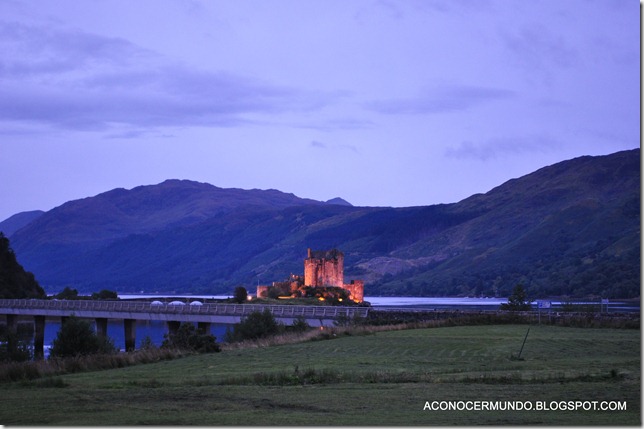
(323, 280)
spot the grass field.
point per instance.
(379, 379)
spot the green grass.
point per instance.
(379, 379)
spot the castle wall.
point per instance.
(324, 268)
(356, 290)
(262, 291)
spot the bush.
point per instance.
(147, 344)
(300, 324)
(15, 345)
(254, 326)
(345, 320)
(187, 337)
(77, 338)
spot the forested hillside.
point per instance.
(15, 282)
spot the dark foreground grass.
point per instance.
(380, 379)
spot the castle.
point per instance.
(322, 269)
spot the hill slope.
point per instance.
(17, 221)
(572, 228)
(569, 229)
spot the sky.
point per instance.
(382, 103)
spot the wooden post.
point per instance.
(526, 337)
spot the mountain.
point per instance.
(572, 228)
(17, 221)
(339, 201)
(569, 229)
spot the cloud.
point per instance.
(317, 144)
(350, 147)
(536, 48)
(338, 124)
(129, 134)
(30, 51)
(77, 80)
(320, 145)
(439, 100)
(503, 147)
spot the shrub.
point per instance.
(254, 326)
(300, 324)
(77, 338)
(187, 337)
(345, 320)
(147, 344)
(14, 347)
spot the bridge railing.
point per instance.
(205, 309)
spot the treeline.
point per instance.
(72, 294)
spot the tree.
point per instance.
(15, 282)
(518, 300)
(67, 293)
(187, 337)
(76, 337)
(240, 295)
(105, 295)
(14, 347)
(254, 326)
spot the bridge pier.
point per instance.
(12, 331)
(173, 326)
(12, 326)
(39, 337)
(101, 326)
(130, 334)
(203, 327)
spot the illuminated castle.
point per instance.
(322, 269)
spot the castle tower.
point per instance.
(324, 268)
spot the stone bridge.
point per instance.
(174, 314)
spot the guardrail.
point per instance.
(203, 309)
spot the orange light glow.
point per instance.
(321, 298)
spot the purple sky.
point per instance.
(383, 103)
